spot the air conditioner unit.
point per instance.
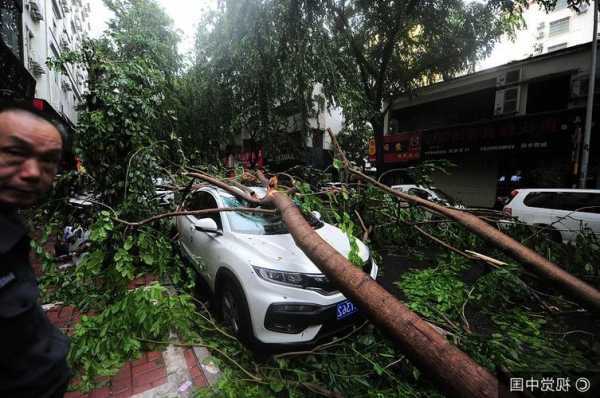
(508, 78)
(538, 48)
(35, 11)
(541, 26)
(507, 101)
(540, 35)
(35, 67)
(582, 9)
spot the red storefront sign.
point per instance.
(246, 158)
(398, 148)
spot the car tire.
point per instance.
(550, 233)
(233, 311)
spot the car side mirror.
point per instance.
(316, 214)
(206, 225)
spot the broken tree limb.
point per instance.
(587, 295)
(192, 213)
(454, 371)
(226, 187)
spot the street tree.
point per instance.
(396, 47)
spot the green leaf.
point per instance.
(276, 386)
(337, 164)
(147, 259)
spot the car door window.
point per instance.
(580, 202)
(201, 201)
(546, 200)
(419, 192)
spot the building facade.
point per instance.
(545, 32)
(299, 141)
(518, 124)
(36, 30)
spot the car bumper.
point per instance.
(306, 316)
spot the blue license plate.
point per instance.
(345, 308)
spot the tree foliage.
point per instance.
(127, 113)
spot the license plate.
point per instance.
(345, 308)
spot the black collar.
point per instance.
(12, 231)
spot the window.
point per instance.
(513, 76)
(557, 47)
(541, 199)
(257, 223)
(568, 201)
(56, 10)
(511, 100)
(420, 193)
(11, 25)
(202, 201)
(559, 27)
(582, 202)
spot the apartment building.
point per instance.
(545, 32)
(36, 30)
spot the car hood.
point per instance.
(281, 253)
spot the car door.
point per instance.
(538, 208)
(202, 247)
(578, 210)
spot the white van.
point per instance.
(564, 212)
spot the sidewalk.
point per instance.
(174, 372)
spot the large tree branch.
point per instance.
(343, 26)
(454, 371)
(388, 49)
(588, 295)
(192, 213)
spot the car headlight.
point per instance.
(316, 282)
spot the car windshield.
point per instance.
(444, 196)
(259, 224)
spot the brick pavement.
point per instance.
(154, 374)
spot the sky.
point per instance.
(185, 13)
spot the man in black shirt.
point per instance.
(32, 351)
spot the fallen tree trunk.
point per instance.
(454, 371)
(587, 295)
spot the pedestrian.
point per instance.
(32, 351)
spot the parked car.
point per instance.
(430, 193)
(564, 213)
(164, 193)
(263, 286)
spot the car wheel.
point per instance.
(233, 311)
(549, 233)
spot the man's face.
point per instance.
(30, 150)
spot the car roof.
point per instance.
(529, 190)
(222, 192)
(412, 186)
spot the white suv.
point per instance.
(563, 212)
(264, 287)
